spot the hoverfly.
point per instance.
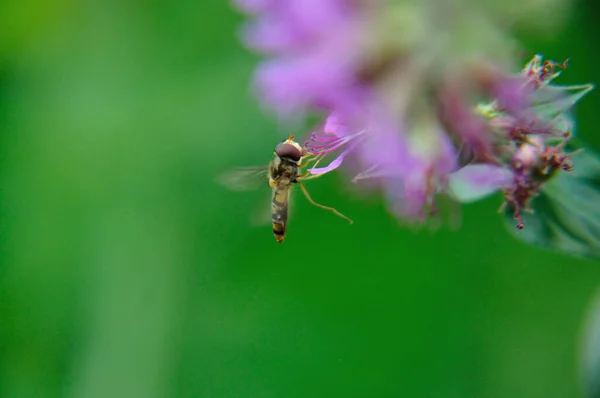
(284, 170)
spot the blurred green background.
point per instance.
(126, 271)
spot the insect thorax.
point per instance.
(284, 169)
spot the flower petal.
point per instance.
(335, 125)
(284, 26)
(474, 182)
(252, 6)
(335, 163)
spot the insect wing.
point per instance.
(262, 213)
(244, 179)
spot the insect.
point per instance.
(282, 172)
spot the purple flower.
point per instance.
(399, 86)
(292, 25)
(312, 44)
(529, 141)
(409, 163)
(477, 181)
(253, 6)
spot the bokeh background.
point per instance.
(126, 271)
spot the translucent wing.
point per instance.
(261, 214)
(245, 178)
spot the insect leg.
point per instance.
(318, 159)
(307, 176)
(311, 158)
(306, 159)
(331, 209)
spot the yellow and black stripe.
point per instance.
(279, 211)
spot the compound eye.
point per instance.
(288, 151)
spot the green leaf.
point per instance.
(553, 101)
(567, 213)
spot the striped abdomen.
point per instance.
(279, 211)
